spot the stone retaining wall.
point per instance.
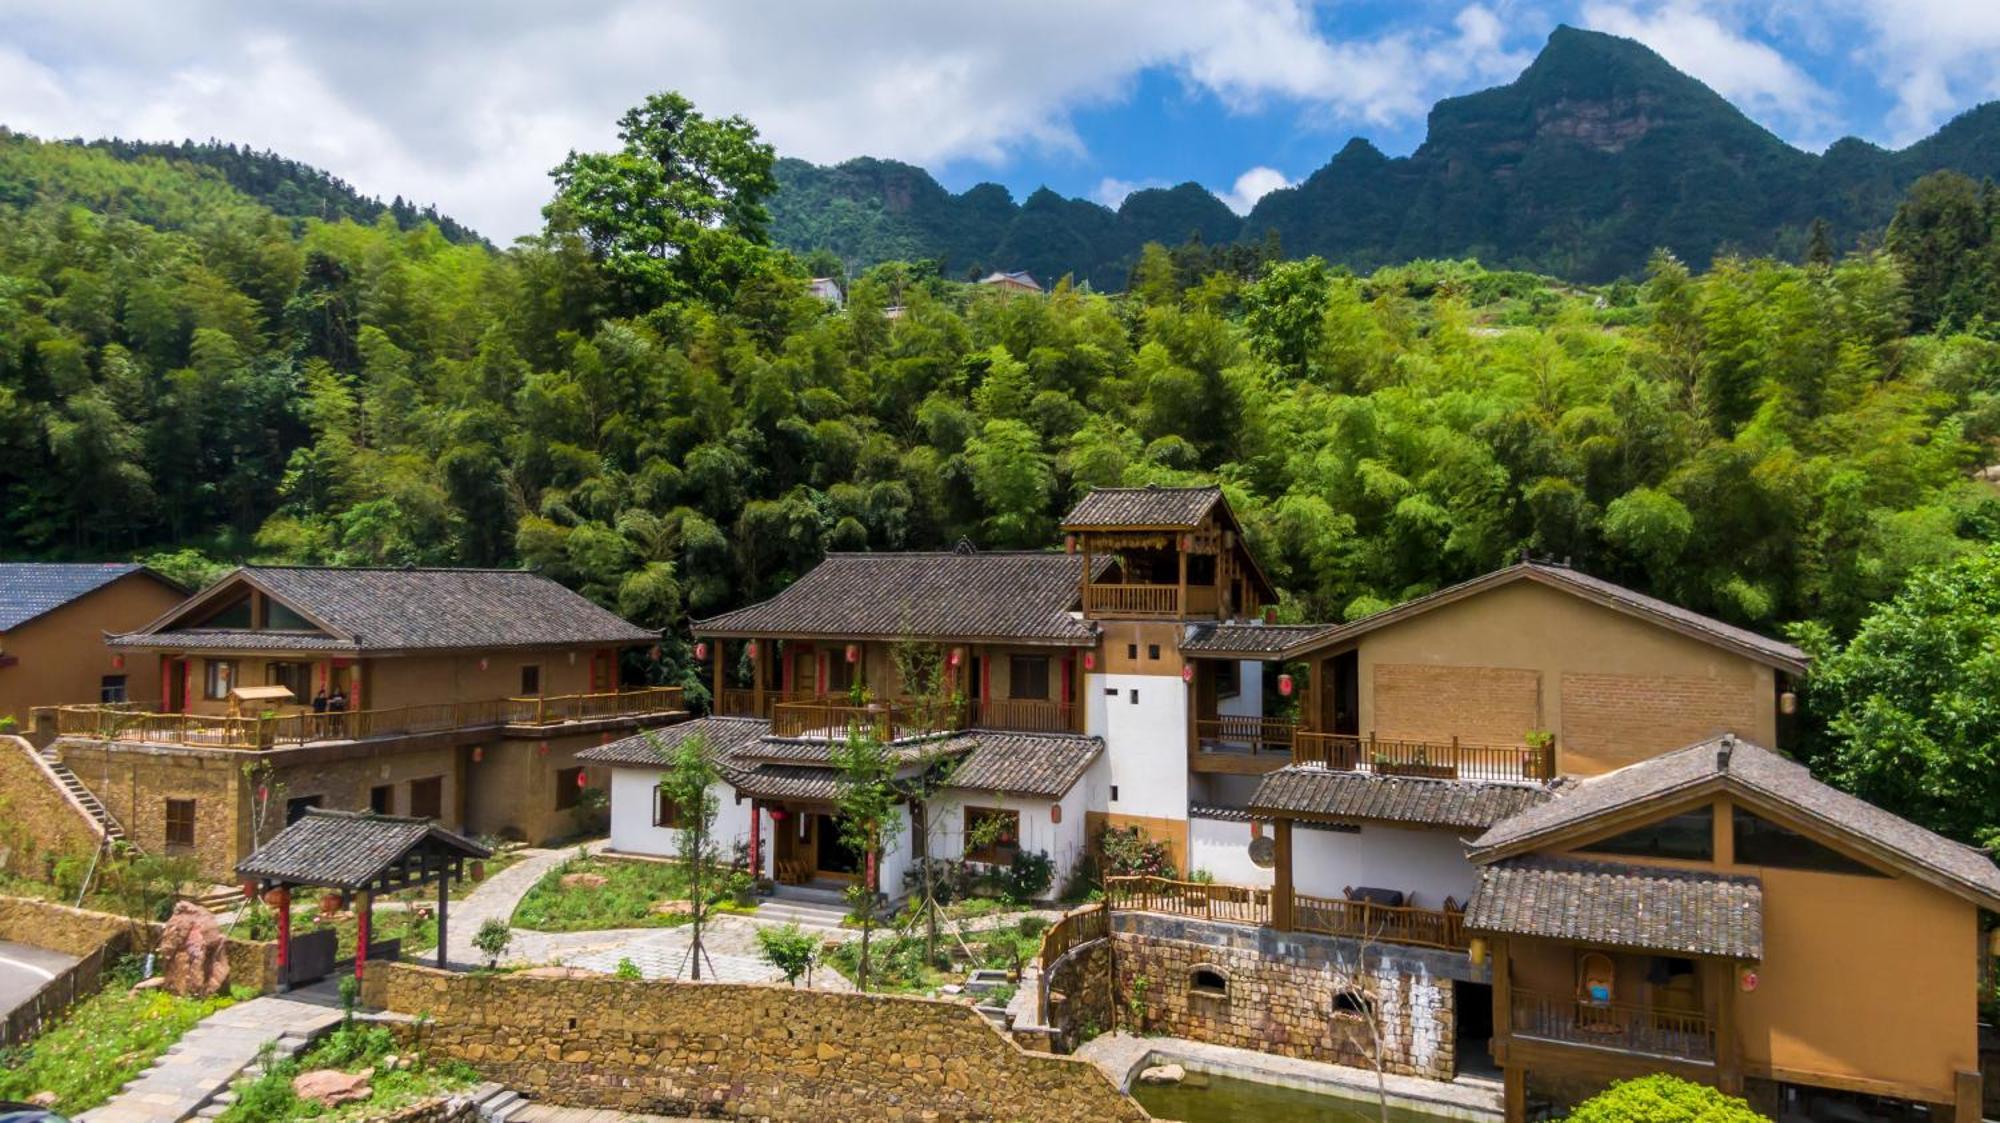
(732, 1050)
(38, 823)
(78, 932)
(1289, 993)
(1081, 999)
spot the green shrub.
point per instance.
(789, 949)
(1663, 1099)
(492, 939)
(1129, 851)
(627, 970)
(1029, 875)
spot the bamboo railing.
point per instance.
(304, 727)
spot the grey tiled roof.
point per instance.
(418, 609)
(30, 589)
(726, 737)
(1612, 595)
(1755, 771)
(1143, 506)
(1308, 790)
(348, 849)
(240, 639)
(1688, 912)
(1024, 596)
(819, 751)
(788, 781)
(1026, 764)
(1251, 639)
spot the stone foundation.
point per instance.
(1081, 998)
(1295, 995)
(725, 1050)
(79, 932)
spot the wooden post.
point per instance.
(756, 839)
(1181, 605)
(1083, 591)
(1728, 1059)
(759, 675)
(364, 906)
(1515, 1083)
(1281, 890)
(444, 910)
(1970, 1091)
(1314, 699)
(721, 645)
(284, 937)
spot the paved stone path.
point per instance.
(212, 1054)
(497, 897)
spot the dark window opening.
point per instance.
(839, 673)
(1201, 569)
(1207, 980)
(1228, 677)
(180, 824)
(1114, 793)
(295, 677)
(382, 799)
(1152, 651)
(1134, 696)
(992, 836)
(1132, 652)
(1760, 842)
(531, 679)
(1028, 677)
(427, 798)
(567, 787)
(284, 619)
(297, 806)
(235, 614)
(1689, 835)
(666, 812)
(111, 688)
(1351, 1003)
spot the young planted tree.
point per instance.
(686, 789)
(869, 823)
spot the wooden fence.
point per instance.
(1080, 926)
(1365, 920)
(1203, 900)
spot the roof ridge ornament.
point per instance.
(964, 547)
(1723, 749)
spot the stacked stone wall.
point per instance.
(1295, 995)
(37, 823)
(1082, 998)
(741, 1051)
(78, 932)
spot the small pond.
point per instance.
(1203, 1098)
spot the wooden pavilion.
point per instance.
(361, 854)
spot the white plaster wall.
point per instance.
(1249, 701)
(1430, 864)
(896, 857)
(1223, 849)
(1145, 744)
(1063, 842)
(632, 829)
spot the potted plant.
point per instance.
(742, 888)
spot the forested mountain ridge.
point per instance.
(1599, 153)
(285, 186)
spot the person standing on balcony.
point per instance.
(337, 707)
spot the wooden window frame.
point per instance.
(209, 691)
(1014, 665)
(999, 853)
(112, 689)
(182, 817)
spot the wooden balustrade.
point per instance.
(1080, 926)
(1132, 600)
(1023, 715)
(1334, 916)
(304, 727)
(1203, 900)
(1629, 1027)
(1237, 734)
(885, 721)
(1431, 760)
(742, 701)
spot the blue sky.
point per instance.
(468, 103)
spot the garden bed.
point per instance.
(604, 892)
(897, 964)
(352, 1048)
(103, 1041)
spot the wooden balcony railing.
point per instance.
(1235, 734)
(1132, 600)
(1203, 900)
(1432, 760)
(1626, 1027)
(738, 702)
(1023, 715)
(301, 728)
(886, 721)
(1434, 928)
(1079, 926)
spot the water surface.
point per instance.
(1228, 1099)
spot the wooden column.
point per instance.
(1181, 605)
(1515, 1084)
(284, 937)
(760, 675)
(1728, 1058)
(1083, 590)
(756, 840)
(716, 653)
(1281, 890)
(1314, 698)
(1970, 1097)
(444, 912)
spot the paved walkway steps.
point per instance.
(191, 1079)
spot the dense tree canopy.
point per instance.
(654, 410)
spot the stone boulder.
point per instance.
(332, 1087)
(193, 954)
(1163, 1074)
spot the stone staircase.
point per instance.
(81, 796)
(497, 1104)
(814, 909)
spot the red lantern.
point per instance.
(957, 655)
(582, 781)
(1055, 812)
(1285, 685)
(854, 653)
(1187, 672)
(655, 653)
(1090, 660)
(701, 651)
(1187, 541)
(478, 753)
(1271, 614)
(118, 662)
(778, 814)
(1069, 543)
(482, 664)
(754, 645)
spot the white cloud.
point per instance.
(1937, 57)
(1252, 186)
(1111, 191)
(1695, 39)
(470, 106)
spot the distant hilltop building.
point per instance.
(827, 289)
(1012, 282)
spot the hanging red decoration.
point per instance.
(582, 781)
(1187, 672)
(957, 656)
(778, 814)
(754, 645)
(118, 662)
(1270, 614)
(1285, 685)
(482, 664)
(543, 748)
(263, 793)
(1090, 660)
(1187, 541)
(478, 753)
(854, 653)
(701, 651)
(1069, 543)
(1055, 812)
